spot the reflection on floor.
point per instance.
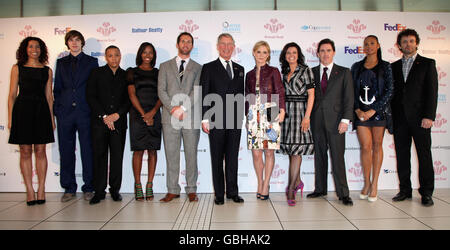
(309, 214)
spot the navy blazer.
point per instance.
(69, 89)
(385, 88)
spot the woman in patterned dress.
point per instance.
(296, 137)
(265, 94)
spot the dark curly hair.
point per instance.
(284, 64)
(22, 56)
(407, 32)
(141, 50)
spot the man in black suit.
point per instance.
(414, 110)
(107, 95)
(220, 79)
(331, 114)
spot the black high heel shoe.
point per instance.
(40, 202)
(265, 197)
(31, 203)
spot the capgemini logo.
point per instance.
(436, 27)
(356, 26)
(439, 168)
(439, 121)
(106, 29)
(189, 26)
(28, 31)
(274, 26)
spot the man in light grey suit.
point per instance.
(330, 117)
(178, 81)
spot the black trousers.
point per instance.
(224, 144)
(324, 140)
(404, 132)
(105, 141)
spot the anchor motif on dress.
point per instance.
(366, 101)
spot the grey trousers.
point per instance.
(172, 145)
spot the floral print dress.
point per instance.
(262, 134)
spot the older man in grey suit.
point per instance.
(177, 82)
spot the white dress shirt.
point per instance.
(224, 63)
(330, 67)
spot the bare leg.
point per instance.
(41, 168)
(365, 140)
(152, 159)
(137, 165)
(377, 138)
(269, 156)
(26, 168)
(259, 167)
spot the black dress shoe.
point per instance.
(315, 195)
(427, 201)
(96, 199)
(347, 201)
(401, 197)
(116, 197)
(236, 198)
(219, 201)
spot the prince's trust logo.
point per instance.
(27, 31)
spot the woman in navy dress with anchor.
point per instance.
(373, 85)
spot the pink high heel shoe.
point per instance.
(300, 186)
(291, 203)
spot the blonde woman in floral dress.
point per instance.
(265, 111)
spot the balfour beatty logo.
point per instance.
(150, 30)
(395, 27)
(357, 50)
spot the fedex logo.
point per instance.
(396, 27)
(357, 50)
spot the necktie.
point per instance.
(229, 70)
(74, 64)
(324, 81)
(181, 72)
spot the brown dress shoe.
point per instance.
(169, 197)
(193, 197)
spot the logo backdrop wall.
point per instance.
(128, 31)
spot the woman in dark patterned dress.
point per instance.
(296, 137)
(145, 116)
(30, 114)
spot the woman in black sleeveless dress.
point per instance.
(30, 114)
(145, 116)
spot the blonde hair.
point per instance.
(262, 43)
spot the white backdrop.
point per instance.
(307, 28)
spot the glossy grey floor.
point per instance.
(180, 214)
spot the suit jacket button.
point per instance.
(74, 104)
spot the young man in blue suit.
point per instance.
(73, 114)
